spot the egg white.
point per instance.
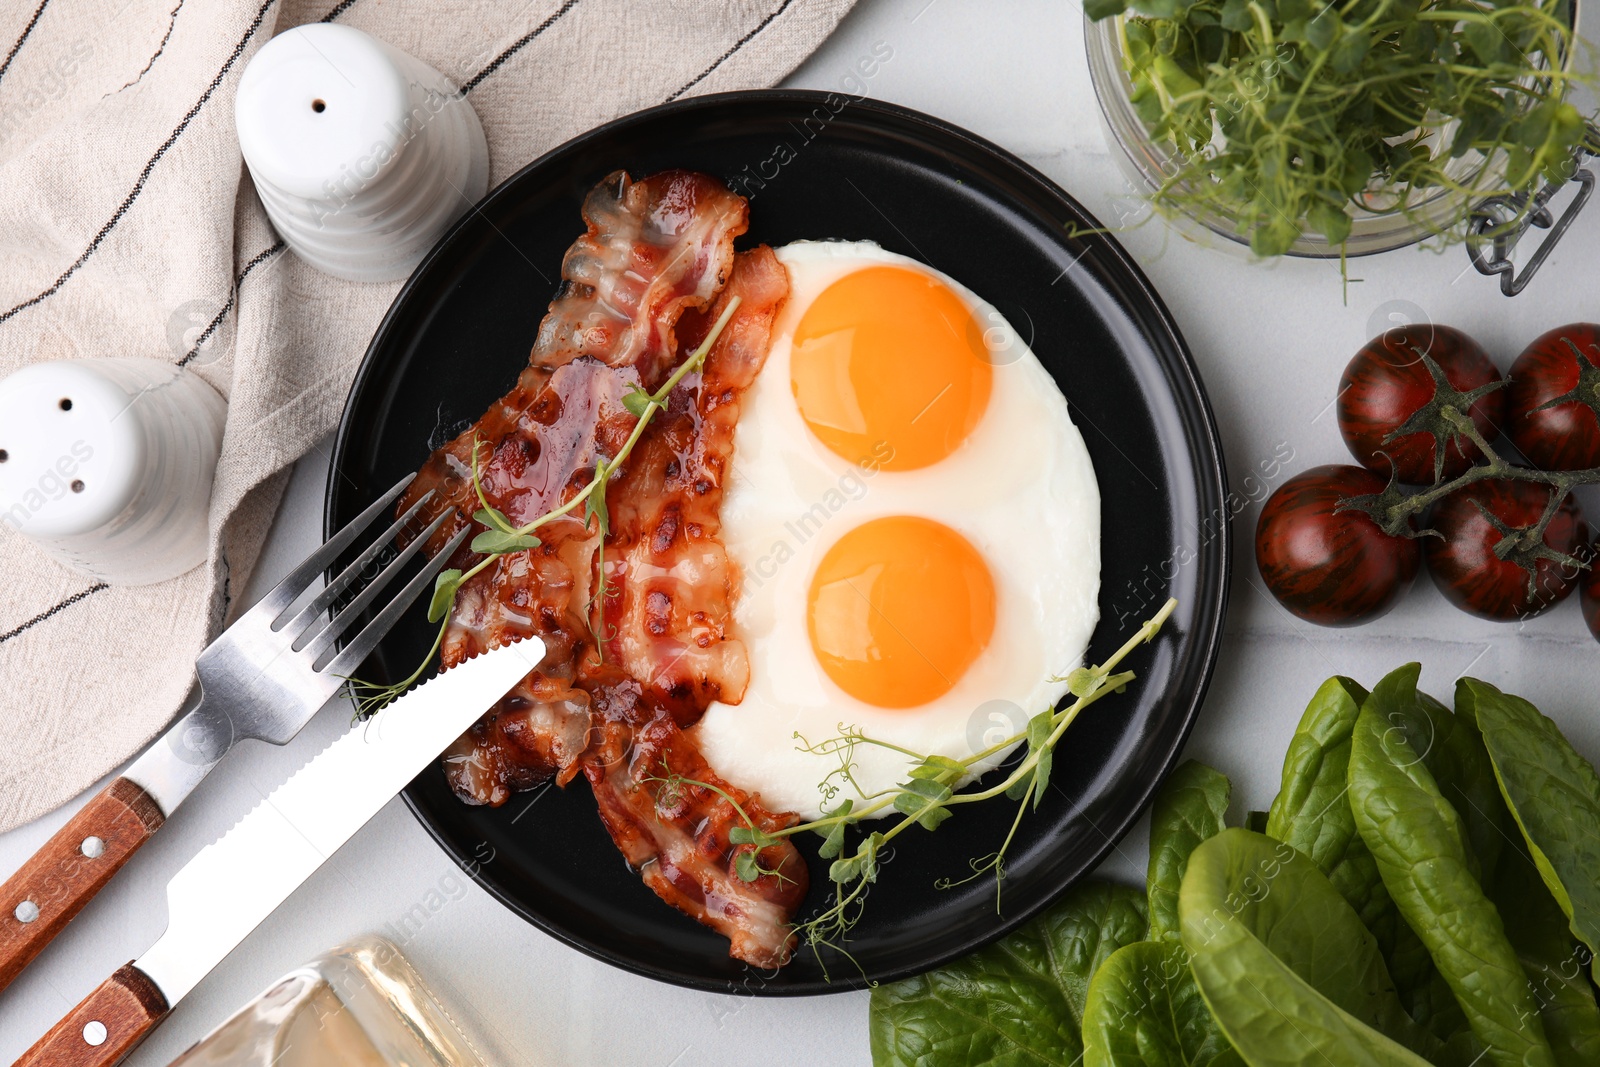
(1021, 489)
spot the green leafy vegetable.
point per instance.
(1423, 852)
(1144, 1010)
(1396, 797)
(637, 401)
(1040, 727)
(1553, 793)
(1550, 955)
(493, 518)
(833, 834)
(500, 542)
(1452, 752)
(1456, 757)
(1554, 962)
(1283, 118)
(1189, 809)
(1017, 1002)
(1148, 1008)
(1312, 813)
(596, 514)
(1284, 963)
(444, 594)
(923, 801)
(501, 536)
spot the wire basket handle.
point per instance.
(1497, 223)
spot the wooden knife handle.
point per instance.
(105, 1027)
(38, 901)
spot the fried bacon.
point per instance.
(651, 785)
(654, 249)
(640, 290)
(673, 584)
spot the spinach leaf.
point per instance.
(1144, 1010)
(1421, 846)
(1312, 813)
(1284, 963)
(1450, 748)
(1017, 1002)
(1189, 808)
(1456, 756)
(1552, 959)
(1553, 793)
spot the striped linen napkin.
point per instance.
(129, 227)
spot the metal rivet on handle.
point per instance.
(94, 1033)
(27, 911)
(92, 847)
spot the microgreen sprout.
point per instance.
(746, 863)
(502, 536)
(928, 795)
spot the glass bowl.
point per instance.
(1147, 164)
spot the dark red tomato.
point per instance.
(1387, 382)
(1331, 569)
(1465, 567)
(1590, 597)
(1565, 437)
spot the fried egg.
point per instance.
(917, 524)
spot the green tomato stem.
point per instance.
(1495, 466)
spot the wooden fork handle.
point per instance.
(105, 1027)
(38, 901)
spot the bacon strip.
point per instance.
(655, 255)
(650, 783)
(654, 249)
(674, 583)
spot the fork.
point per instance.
(265, 677)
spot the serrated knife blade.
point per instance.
(233, 884)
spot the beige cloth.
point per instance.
(129, 227)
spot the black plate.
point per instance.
(819, 166)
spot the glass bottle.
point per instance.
(359, 1005)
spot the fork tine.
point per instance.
(360, 647)
(313, 647)
(284, 593)
(315, 610)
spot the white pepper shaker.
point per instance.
(107, 465)
(361, 154)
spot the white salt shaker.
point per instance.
(107, 464)
(362, 155)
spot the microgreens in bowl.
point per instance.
(1284, 118)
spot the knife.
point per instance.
(233, 884)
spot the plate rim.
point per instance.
(1211, 477)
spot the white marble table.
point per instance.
(1270, 341)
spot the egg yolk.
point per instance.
(898, 610)
(890, 368)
